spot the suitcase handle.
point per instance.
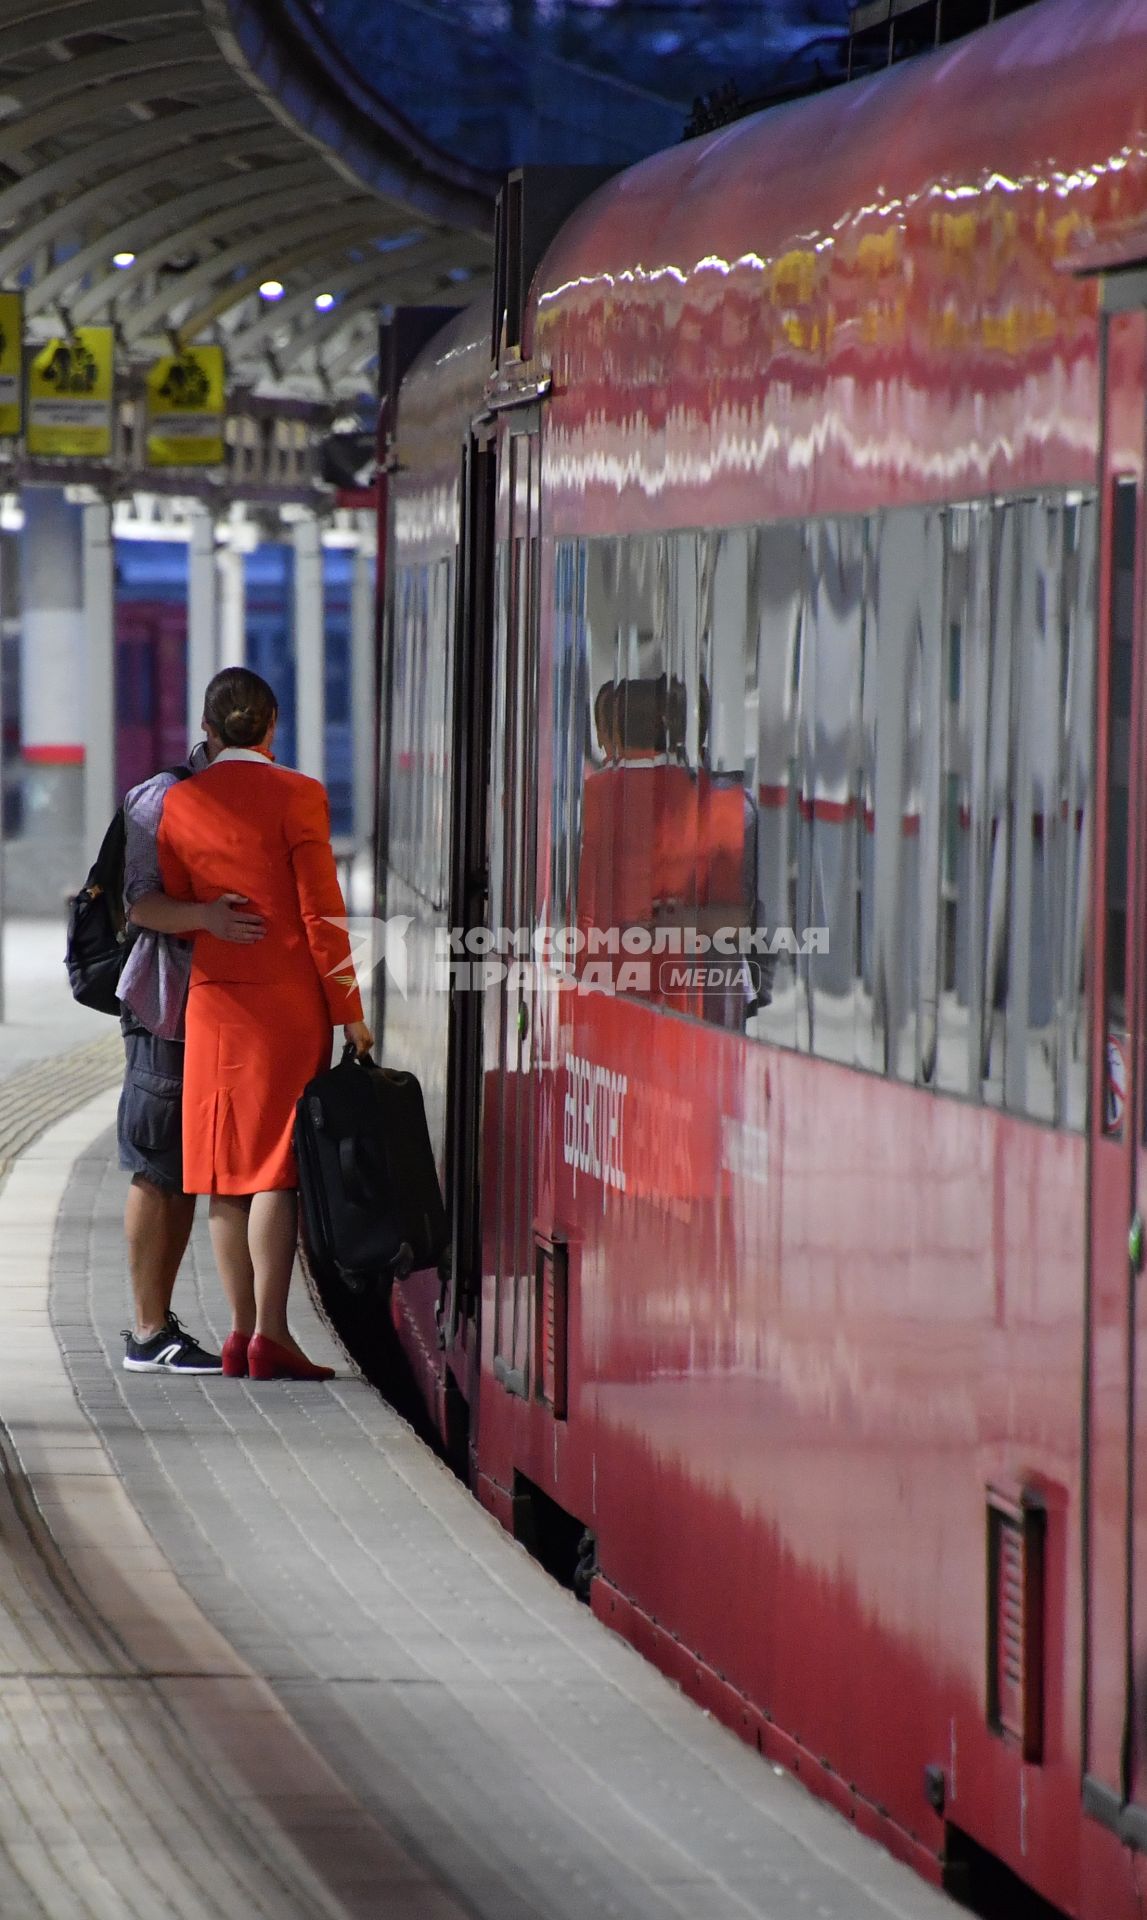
(350, 1053)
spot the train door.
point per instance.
(469, 875)
(1115, 1392)
(512, 1089)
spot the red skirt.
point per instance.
(250, 1052)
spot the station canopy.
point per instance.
(213, 171)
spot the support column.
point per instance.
(310, 690)
(362, 692)
(100, 784)
(232, 604)
(3, 852)
(202, 644)
(46, 863)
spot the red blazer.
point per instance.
(248, 826)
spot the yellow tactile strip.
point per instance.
(33, 1098)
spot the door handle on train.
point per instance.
(523, 1020)
(1135, 1242)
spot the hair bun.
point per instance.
(239, 706)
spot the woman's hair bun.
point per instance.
(242, 725)
(240, 707)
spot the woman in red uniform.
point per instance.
(259, 1018)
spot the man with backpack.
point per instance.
(152, 991)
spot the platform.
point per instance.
(261, 1654)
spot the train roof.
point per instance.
(853, 295)
(1041, 94)
(442, 391)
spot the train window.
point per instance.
(869, 1038)
(419, 735)
(1015, 779)
(640, 735)
(674, 878)
(439, 772)
(595, 734)
(927, 781)
(569, 720)
(993, 812)
(498, 799)
(1034, 949)
(1080, 549)
(882, 728)
(408, 653)
(726, 853)
(775, 631)
(830, 832)
(1125, 520)
(904, 880)
(964, 698)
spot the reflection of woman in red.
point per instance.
(664, 846)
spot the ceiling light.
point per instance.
(123, 259)
(272, 290)
(324, 302)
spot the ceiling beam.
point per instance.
(107, 196)
(53, 81)
(19, 135)
(128, 144)
(45, 25)
(349, 278)
(239, 201)
(260, 253)
(393, 288)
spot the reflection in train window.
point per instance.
(727, 810)
(420, 722)
(1125, 523)
(877, 727)
(570, 705)
(963, 719)
(776, 615)
(1080, 554)
(829, 828)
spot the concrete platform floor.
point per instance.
(261, 1655)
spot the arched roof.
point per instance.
(224, 143)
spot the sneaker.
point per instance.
(172, 1350)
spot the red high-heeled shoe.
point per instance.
(267, 1360)
(235, 1355)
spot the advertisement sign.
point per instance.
(70, 391)
(185, 404)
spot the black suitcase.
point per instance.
(369, 1201)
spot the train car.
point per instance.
(766, 623)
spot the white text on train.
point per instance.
(593, 1119)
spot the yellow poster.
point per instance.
(185, 409)
(11, 364)
(70, 390)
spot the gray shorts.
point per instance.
(149, 1125)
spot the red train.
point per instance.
(776, 600)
